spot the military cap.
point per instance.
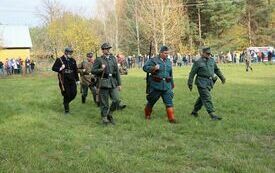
(106, 46)
(206, 50)
(68, 49)
(163, 48)
(90, 54)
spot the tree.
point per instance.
(61, 29)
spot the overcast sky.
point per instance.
(24, 12)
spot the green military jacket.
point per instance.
(109, 77)
(205, 71)
(162, 79)
(84, 69)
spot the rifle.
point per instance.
(60, 77)
(148, 74)
(98, 87)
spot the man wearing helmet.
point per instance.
(66, 68)
(87, 79)
(109, 84)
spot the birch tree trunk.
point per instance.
(137, 28)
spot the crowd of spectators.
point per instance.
(181, 60)
(14, 66)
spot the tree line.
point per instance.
(131, 25)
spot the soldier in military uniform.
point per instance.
(66, 68)
(87, 79)
(122, 66)
(109, 84)
(161, 83)
(205, 69)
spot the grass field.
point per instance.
(35, 136)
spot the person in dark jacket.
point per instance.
(68, 78)
(205, 69)
(160, 83)
(109, 84)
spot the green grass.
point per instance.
(35, 136)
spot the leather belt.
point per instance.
(106, 76)
(68, 71)
(206, 77)
(158, 79)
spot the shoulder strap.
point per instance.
(61, 60)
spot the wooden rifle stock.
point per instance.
(60, 77)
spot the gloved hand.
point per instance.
(62, 67)
(190, 87)
(103, 66)
(77, 82)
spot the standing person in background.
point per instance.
(238, 57)
(179, 60)
(1, 68)
(247, 58)
(32, 66)
(7, 67)
(139, 60)
(66, 68)
(146, 57)
(10, 64)
(205, 69)
(130, 60)
(28, 65)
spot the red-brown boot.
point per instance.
(170, 114)
(147, 112)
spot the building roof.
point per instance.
(13, 36)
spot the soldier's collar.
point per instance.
(106, 56)
(205, 59)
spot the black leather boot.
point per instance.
(83, 99)
(111, 119)
(121, 106)
(214, 117)
(194, 114)
(66, 108)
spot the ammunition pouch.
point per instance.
(105, 83)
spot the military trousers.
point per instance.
(205, 100)
(84, 91)
(105, 94)
(154, 95)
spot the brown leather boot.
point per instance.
(170, 114)
(147, 112)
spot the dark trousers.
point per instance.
(204, 100)
(154, 95)
(69, 93)
(105, 94)
(84, 90)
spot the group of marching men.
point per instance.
(103, 78)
